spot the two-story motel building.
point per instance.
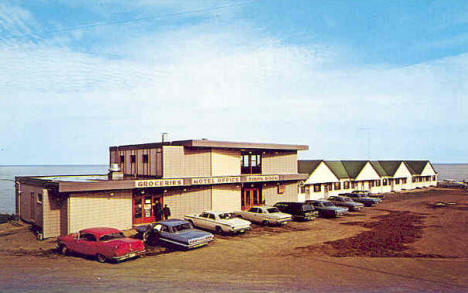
(188, 176)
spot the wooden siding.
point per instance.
(271, 196)
(100, 209)
(138, 168)
(225, 162)
(226, 198)
(182, 202)
(279, 163)
(184, 162)
(28, 213)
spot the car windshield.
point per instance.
(181, 227)
(225, 216)
(307, 207)
(327, 204)
(111, 236)
(273, 210)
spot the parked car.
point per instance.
(179, 233)
(265, 215)
(220, 222)
(102, 243)
(343, 201)
(365, 200)
(300, 211)
(368, 194)
(327, 209)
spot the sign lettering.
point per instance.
(262, 178)
(159, 183)
(216, 180)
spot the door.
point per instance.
(250, 197)
(146, 208)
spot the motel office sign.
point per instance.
(204, 181)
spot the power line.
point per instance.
(134, 20)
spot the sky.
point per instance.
(352, 79)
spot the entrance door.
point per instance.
(250, 197)
(145, 208)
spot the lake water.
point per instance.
(8, 173)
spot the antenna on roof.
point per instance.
(163, 137)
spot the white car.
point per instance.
(218, 221)
(265, 215)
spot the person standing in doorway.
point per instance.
(157, 211)
(166, 212)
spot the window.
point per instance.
(39, 198)
(353, 185)
(377, 182)
(317, 188)
(87, 237)
(251, 163)
(211, 216)
(302, 189)
(337, 186)
(132, 159)
(414, 179)
(145, 159)
(371, 183)
(397, 181)
(346, 185)
(122, 159)
(433, 178)
(385, 182)
(403, 180)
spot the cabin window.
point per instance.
(145, 159)
(317, 188)
(337, 186)
(353, 185)
(377, 182)
(302, 189)
(385, 182)
(87, 237)
(346, 185)
(403, 180)
(397, 181)
(433, 178)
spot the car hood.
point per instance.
(186, 235)
(279, 215)
(235, 222)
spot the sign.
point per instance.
(259, 178)
(216, 180)
(158, 183)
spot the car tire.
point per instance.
(101, 258)
(265, 223)
(64, 250)
(218, 230)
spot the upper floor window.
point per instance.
(122, 159)
(145, 159)
(251, 163)
(132, 159)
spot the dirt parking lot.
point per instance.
(405, 244)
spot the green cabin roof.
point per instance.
(353, 168)
(338, 169)
(307, 166)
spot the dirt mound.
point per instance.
(388, 237)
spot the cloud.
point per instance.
(60, 105)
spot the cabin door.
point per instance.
(146, 208)
(250, 197)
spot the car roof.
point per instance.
(172, 222)
(216, 212)
(99, 231)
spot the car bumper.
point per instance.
(239, 230)
(128, 255)
(282, 221)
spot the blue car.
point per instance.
(176, 232)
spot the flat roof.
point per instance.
(73, 178)
(204, 143)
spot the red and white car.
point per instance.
(102, 243)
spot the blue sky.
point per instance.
(352, 79)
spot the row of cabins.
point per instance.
(326, 178)
(190, 176)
